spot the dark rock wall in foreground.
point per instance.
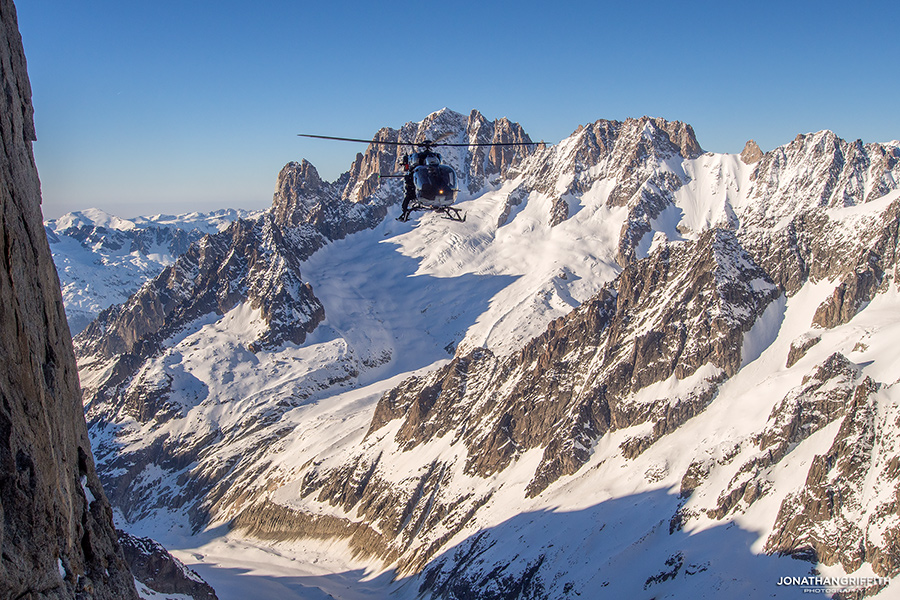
(57, 538)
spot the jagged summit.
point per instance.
(819, 170)
(751, 152)
(628, 336)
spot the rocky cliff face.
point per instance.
(818, 170)
(639, 159)
(476, 166)
(161, 573)
(751, 152)
(57, 538)
(692, 352)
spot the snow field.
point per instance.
(402, 298)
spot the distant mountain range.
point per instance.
(103, 259)
(638, 369)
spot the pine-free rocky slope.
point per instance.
(637, 367)
(56, 534)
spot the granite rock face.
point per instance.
(475, 166)
(57, 538)
(818, 170)
(751, 152)
(154, 567)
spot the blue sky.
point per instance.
(174, 106)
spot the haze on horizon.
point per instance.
(171, 107)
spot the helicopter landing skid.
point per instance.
(453, 214)
(450, 212)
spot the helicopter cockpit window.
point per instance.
(432, 159)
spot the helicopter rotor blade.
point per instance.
(425, 143)
(440, 138)
(343, 139)
(488, 144)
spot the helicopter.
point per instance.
(429, 183)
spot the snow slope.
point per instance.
(103, 259)
(249, 434)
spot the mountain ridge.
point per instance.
(665, 287)
(103, 259)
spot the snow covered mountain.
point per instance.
(636, 370)
(103, 259)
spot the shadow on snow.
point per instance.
(628, 547)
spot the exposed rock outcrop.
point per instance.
(833, 518)
(631, 156)
(57, 539)
(800, 347)
(819, 170)
(475, 166)
(751, 153)
(823, 397)
(154, 567)
(489, 164)
(855, 289)
(320, 209)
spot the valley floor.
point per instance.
(239, 568)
